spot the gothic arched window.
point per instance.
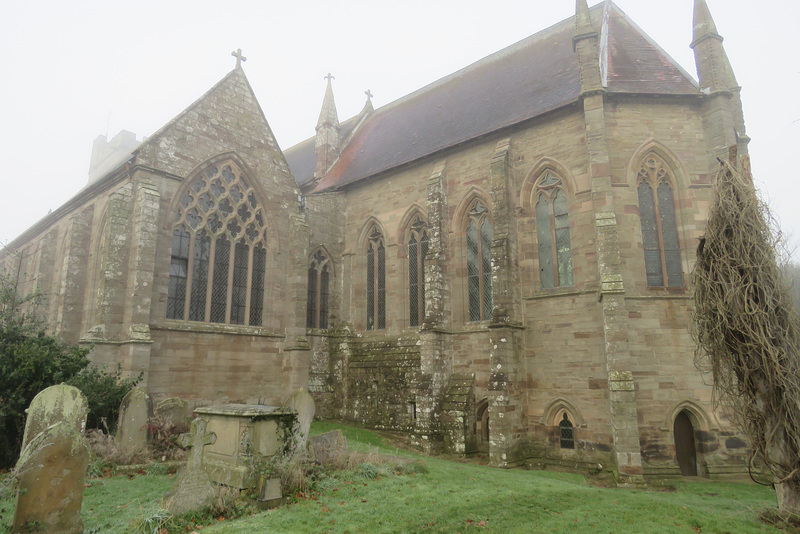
(566, 433)
(417, 250)
(318, 290)
(552, 231)
(662, 253)
(376, 280)
(479, 262)
(219, 255)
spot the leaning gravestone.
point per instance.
(56, 404)
(173, 411)
(302, 403)
(194, 489)
(134, 417)
(328, 448)
(52, 467)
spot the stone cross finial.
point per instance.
(330, 77)
(239, 57)
(369, 95)
(197, 439)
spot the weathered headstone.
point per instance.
(328, 448)
(193, 489)
(52, 468)
(173, 411)
(134, 417)
(56, 404)
(302, 403)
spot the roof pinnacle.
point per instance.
(704, 26)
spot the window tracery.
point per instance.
(479, 262)
(552, 231)
(662, 254)
(220, 226)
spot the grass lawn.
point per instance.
(455, 497)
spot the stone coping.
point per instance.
(242, 410)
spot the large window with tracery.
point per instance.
(417, 250)
(219, 255)
(318, 289)
(376, 280)
(552, 232)
(479, 262)
(662, 253)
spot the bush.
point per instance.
(104, 391)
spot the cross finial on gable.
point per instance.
(330, 77)
(239, 57)
(369, 95)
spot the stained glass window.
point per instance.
(662, 254)
(417, 250)
(552, 232)
(219, 226)
(479, 262)
(376, 280)
(318, 289)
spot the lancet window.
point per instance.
(417, 250)
(479, 262)
(219, 255)
(662, 253)
(376, 280)
(552, 231)
(566, 433)
(318, 290)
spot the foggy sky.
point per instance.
(72, 72)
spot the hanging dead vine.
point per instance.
(746, 325)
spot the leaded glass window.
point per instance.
(417, 250)
(318, 289)
(376, 280)
(479, 262)
(662, 253)
(220, 227)
(552, 232)
(566, 433)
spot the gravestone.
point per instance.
(193, 489)
(134, 417)
(302, 403)
(173, 411)
(56, 404)
(328, 448)
(52, 468)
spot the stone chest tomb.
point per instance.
(244, 432)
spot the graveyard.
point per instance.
(352, 480)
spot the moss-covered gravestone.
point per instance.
(52, 465)
(301, 403)
(56, 404)
(134, 417)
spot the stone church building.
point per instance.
(498, 262)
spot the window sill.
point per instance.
(215, 328)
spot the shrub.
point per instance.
(104, 391)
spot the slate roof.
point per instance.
(528, 79)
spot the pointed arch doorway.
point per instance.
(482, 425)
(685, 447)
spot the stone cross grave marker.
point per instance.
(134, 416)
(194, 489)
(56, 404)
(302, 403)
